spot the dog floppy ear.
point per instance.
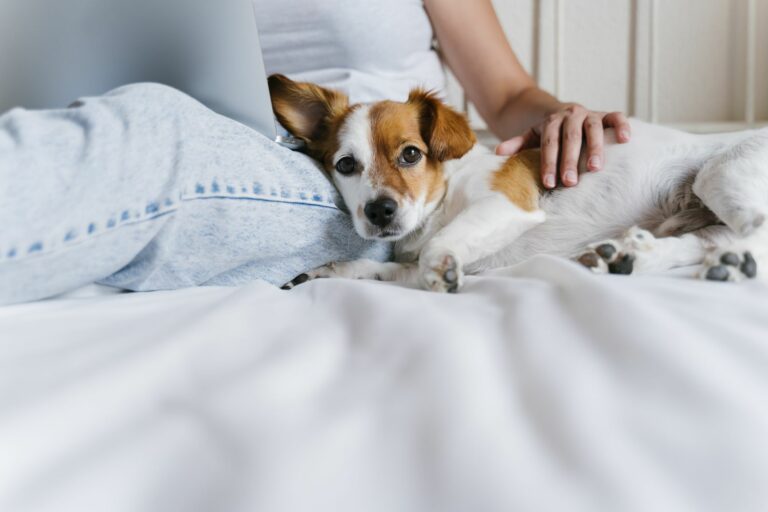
(446, 132)
(305, 110)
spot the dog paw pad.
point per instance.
(729, 266)
(718, 273)
(296, 281)
(444, 275)
(623, 265)
(608, 258)
(749, 265)
(590, 260)
(731, 259)
(606, 251)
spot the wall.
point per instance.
(699, 64)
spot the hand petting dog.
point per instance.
(561, 137)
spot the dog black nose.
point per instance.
(381, 211)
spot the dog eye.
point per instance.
(346, 165)
(410, 155)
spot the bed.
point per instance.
(539, 387)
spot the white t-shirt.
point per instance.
(370, 49)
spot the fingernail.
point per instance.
(624, 135)
(594, 163)
(570, 177)
(549, 181)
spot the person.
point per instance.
(146, 189)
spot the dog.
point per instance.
(413, 173)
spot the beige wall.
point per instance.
(673, 61)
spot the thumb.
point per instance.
(511, 146)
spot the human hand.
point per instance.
(560, 137)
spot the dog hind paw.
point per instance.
(728, 265)
(609, 257)
(617, 256)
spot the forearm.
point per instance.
(507, 98)
(528, 108)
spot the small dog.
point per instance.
(414, 173)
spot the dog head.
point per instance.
(386, 158)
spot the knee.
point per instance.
(152, 93)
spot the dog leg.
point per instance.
(481, 230)
(734, 184)
(405, 273)
(638, 251)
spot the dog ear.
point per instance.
(305, 109)
(446, 132)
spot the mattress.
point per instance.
(539, 387)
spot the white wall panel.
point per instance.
(697, 60)
(518, 18)
(761, 60)
(673, 61)
(597, 53)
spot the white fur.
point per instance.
(475, 228)
(356, 140)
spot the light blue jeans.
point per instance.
(146, 189)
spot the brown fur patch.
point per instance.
(315, 115)
(426, 123)
(446, 132)
(519, 179)
(311, 113)
(394, 127)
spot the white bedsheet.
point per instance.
(540, 387)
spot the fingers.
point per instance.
(593, 127)
(619, 122)
(571, 145)
(561, 138)
(530, 139)
(511, 146)
(550, 147)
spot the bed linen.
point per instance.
(539, 387)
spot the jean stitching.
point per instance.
(75, 236)
(265, 199)
(257, 191)
(40, 248)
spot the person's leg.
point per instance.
(146, 189)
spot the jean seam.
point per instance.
(152, 210)
(40, 248)
(265, 199)
(257, 190)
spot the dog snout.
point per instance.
(381, 211)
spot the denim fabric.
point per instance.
(146, 189)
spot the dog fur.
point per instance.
(665, 200)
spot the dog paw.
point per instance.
(617, 256)
(329, 270)
(443, 274)
(727, 265)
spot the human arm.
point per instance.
(507, 97)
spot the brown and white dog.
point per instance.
(413, 173)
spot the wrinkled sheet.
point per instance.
(539, 387)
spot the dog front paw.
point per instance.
(442, 274)
(329, 270)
